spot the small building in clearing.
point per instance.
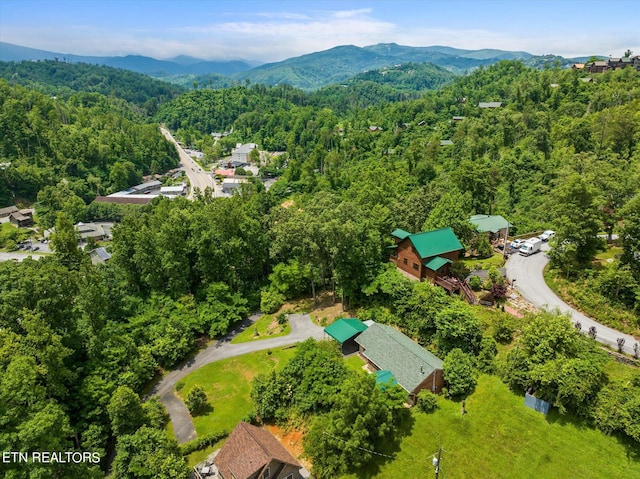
(494, 225)
(413, 367)
(345, 331)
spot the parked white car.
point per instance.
(547, 235)
(516, 243)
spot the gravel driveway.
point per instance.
(301, 328)
(527, 273)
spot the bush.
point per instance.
(503, 331)
(196, 399)
(202, 442)
(476, 283)
(271, 301)
(458, 373)
(427, 401)
(281, 318)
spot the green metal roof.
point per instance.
(344, 329)
(385, 377)
(489, 223)
(402, 234)
(434, 243)
(436, 263)
(388, 348)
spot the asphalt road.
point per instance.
(529, 281)
(197, 177)
(302, 328)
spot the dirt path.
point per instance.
(301, 328)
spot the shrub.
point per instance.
(476, 283)
(503, 330)
(271, 301)
(202, 442)
(196, 399)
(282, 318)
(427, 401)
(458, 373)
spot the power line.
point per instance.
(380, 453)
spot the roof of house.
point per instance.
(246, 148)
(435, 243)
(248, 449)
(446, 142)
(401, 234)
(147, 185)
(436, 263)
(490, 104)
(100, 255)
(126, 199)
(384, 377)
(8, 210)
(225, 172)
(491, 223)
(345, 328)
(389, 349)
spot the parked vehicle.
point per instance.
(516, 244)
(530, 246)
(547, 235)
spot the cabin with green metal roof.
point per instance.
(427, 254)
(413, 367)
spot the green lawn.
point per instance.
(354, 362)
(500, 438)
(228, 385)
(266, 326)
(496, 260)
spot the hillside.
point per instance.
(62, 79)
(307, 72)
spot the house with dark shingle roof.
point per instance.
(252, 453)
(345, 330)
(413, 367)
(427, 254)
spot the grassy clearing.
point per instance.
(500, 438)
(228, 386)
(354, 362)
(266, 327)
(496, 260)
(612, 252)
(583, 295)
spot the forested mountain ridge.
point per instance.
(63, 153)
(62, 79)
(307, 72)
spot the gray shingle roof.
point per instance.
(388, 348)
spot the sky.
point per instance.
(262, 31)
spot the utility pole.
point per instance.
(436, 462)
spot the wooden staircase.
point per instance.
(468, 293)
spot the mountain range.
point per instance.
(307, 72)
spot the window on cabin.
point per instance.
(415, 266)
(266, 474)
(405, 261)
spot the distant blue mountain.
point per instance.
(141, 64)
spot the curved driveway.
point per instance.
(301, 328)
(527, 271)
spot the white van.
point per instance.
(530, 246)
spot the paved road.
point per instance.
(527, 271)
(18, 255)
(197, 177)
(301, 328)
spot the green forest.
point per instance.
(81, 343)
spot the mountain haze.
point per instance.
(307, 72)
